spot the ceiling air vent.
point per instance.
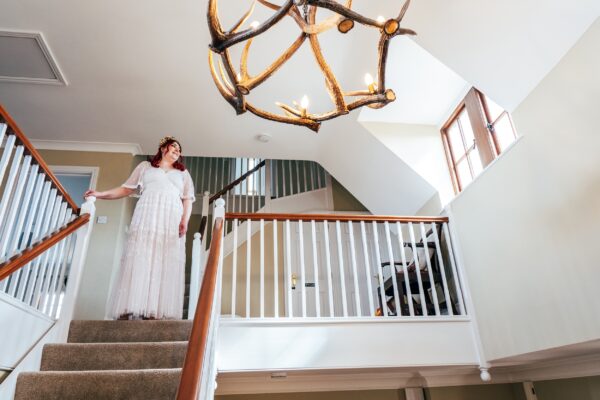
(26, 58)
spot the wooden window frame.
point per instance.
(482, 126)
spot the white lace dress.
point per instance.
(151, 279)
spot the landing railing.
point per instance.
(340, 266)
(39, 225)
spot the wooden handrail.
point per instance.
(194, 357)
(234, 183)
(38, 158)
(18, 261)
(332, 217)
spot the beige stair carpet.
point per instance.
(110, 360)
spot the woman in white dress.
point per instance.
(151, 280)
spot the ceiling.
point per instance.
(137, 70)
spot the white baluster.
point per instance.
(284, 186)
(3, 129)
(288, 269)
(50, 216)
(338, 230)
(305, 177)
(262, 268)
(234, 268)
(248, 264)
(43, 267)
(429, 269)
(316, 269)
(417, 268)
(318, 171)
(8, 186)
(269, 188)
(297, 176)
(53, 271)
(408, 290)
(56, 297)
(275, 271)
(393, 275)
(302, 268)
(363, 234)
(354, 269)
(48, 274)
(37, 214)
(197, 274)
(16, 203)
(8, 149)
(379, 274)
(442, 268)
(461, 303)
(29, 211)
(328, 266)
(33, 184)
(312, 175)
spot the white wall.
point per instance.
(528, 227)
(287, 345)
(419, 146)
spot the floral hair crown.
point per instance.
(166, 139)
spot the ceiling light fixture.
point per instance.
(234, 86)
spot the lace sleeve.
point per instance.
(188, 187)
(135, 179)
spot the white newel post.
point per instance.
(79, 256)
(197, 274)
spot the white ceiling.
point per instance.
(137, 70)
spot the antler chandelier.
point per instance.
(235, 85)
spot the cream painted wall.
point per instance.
(527, 226)
(106, 242)
(578, 389)
(477, 392)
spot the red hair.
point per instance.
(155, 161)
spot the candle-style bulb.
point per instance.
(368, 79)
(254, 24)
(304, 102)
(381, 19)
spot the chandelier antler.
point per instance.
(234, 85)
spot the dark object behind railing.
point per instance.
(194, 358)
(202, 228)
(14, 129)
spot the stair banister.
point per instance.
(198, 371)
(14, 129)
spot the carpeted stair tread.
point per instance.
(106, 356)
(150, 384)
(129, 331)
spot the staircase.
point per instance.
(111, 360)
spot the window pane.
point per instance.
(504, 132)
(475, 161)
(467, 130)
(458, 148)
(494, 109)
(464, 173)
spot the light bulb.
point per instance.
(304, 102)
(381, 19)
(368, 79)
(254, 24)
